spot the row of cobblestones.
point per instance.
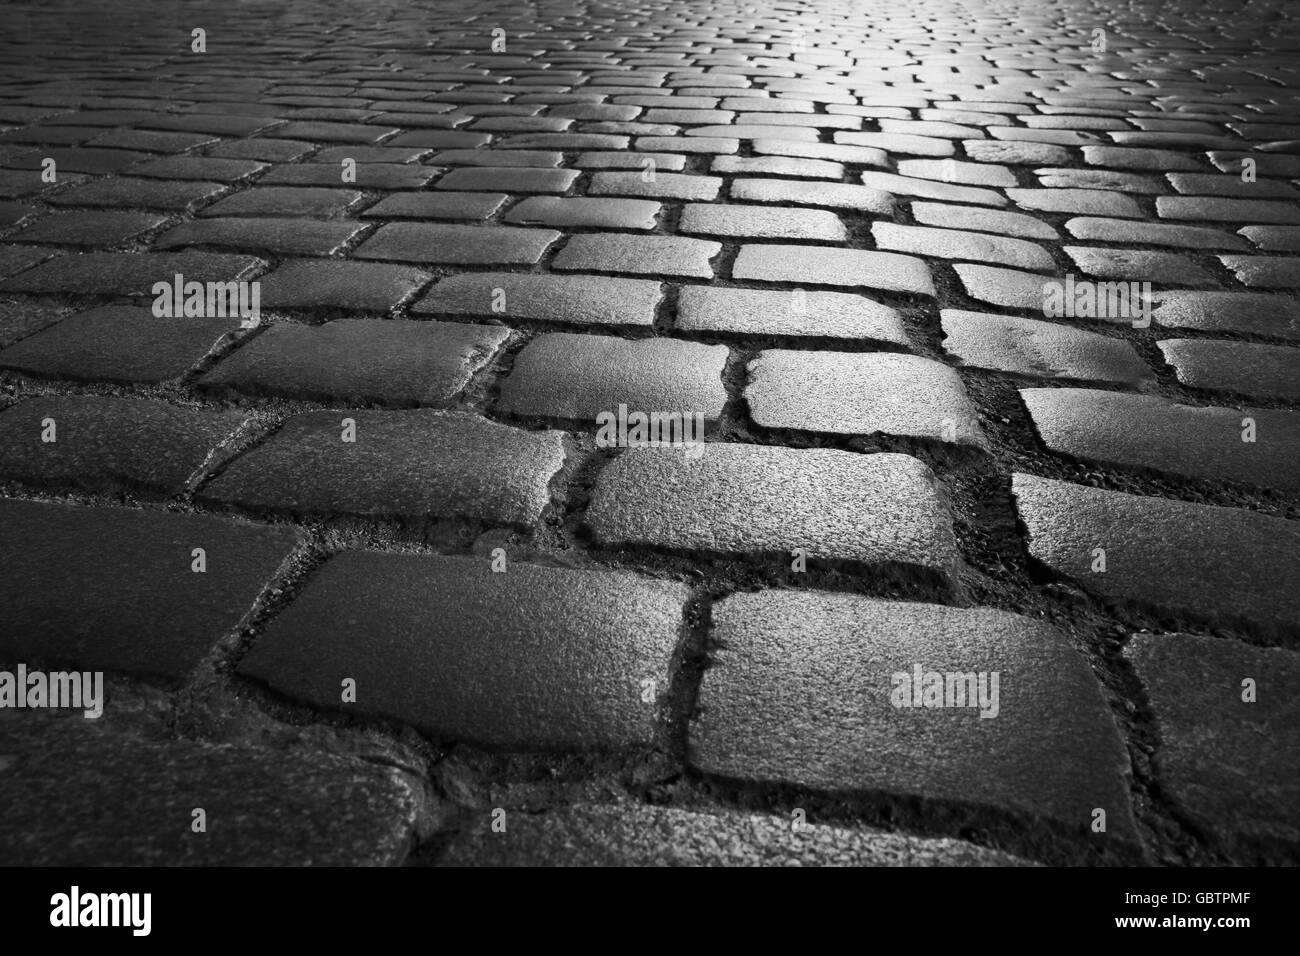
(370, 584)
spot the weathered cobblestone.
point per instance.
(1261, 371)
(860, 393)
(816, 314)
(393, 362)
(581, 645)
(736, 499)
(561, 375)
(1042, 349)
(108, 442)
(584, 300)
(804, 690)
(1227, 755)
(1250, 445)
(408, 464)
(1221, 565)
(641, 835)
(115, 588)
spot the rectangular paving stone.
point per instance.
(668, 162)
(118, 344)
(577, 299)
(1143, 265)
(289, 237)
(661, 186)
(1273, 238)
(124, 273)
(89, 228)
(415, 465)
(951, 171)
(508, 179)
(582, 211)
(114, 588)
(271, 201)
(1008, 343)
(1260, 313)
(766, 500)
(1079, 202)
(824, 691)
(637, 834)
(644, 255)
(797, 313)
(334, 132)
(1016, 154)
(537, 159)
(928, 189)
(457, 244)
(210, 168)
(1152, 233)
(368, 175)
(982, 220)
(263, 149)
(834, 152)
(101, 442)
(331, 283)
(829, 195)
(1098, 179)
(957, 244)
(388, 361)
(1146, 431)
(1231, 765)
(568, 376)
(425, 205)
(302, 805)
(860, 393)
(1265, 272)
(758, 222)
(1008, 288)
(1260, 371)
(167, 194)
(817, 265)
(1221, 566)
(1213, 209)
(903, 143)
(580, 645)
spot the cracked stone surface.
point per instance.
(826, 228)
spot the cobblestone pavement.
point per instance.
(956, 577)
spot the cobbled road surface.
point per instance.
(947, 575)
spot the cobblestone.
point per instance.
(582, 643)
(1254, 446)
(407, 464)
(801, 221)
(1216, 564)
(826, 668)
(736, 499)
(860, 393)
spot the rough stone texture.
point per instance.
(839, 267)
(642, 255)
(1211, 563)
(529, 658)
(286, 237)
(1146, 431)
(457, 245)
(410, 464)
(118, 344)
(955, 244)
(600, 213)
(715, 219)
(813, 314)
(364, 286)
(583, 300)
(113, 588)
(1262, 314)
(1260, 371)
(759, 499)
(641, 835)
(562, 375)
(122, 273)
(802, 690)
(264, 805)
(1232, 766)
(390, 361)
(1008, 343)
(860, 393)
(105, 442)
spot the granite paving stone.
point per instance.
(388, 361)
(416, 464)
(114, 588)
(581, 643)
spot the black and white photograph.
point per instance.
(623, 434)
